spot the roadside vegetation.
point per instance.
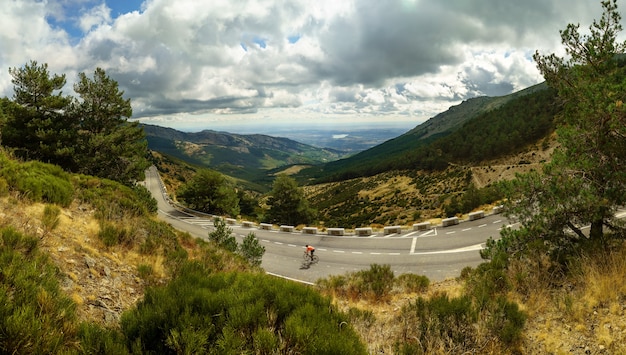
(85, 266)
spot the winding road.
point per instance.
(438, 253)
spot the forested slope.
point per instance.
(478, 129)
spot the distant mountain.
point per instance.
(429, 146)
(238, 155)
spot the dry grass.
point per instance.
(604, 278)
(72, 241)
(586, 315)
(384, 329)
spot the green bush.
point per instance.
(413, 282)
(40, 182)
(251, 250)
(112, 200)
(112, 235)
(376, 282)
(438, 325)
(506, 321)
(35, 315)
(222, 235)
(234, 313)
(95, 339)
(4, 187)
(50, 219)
(145, 271)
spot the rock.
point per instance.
(91, 263)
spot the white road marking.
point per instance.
(452, 251)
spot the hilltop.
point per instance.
(242, 156)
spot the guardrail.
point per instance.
(360, 232)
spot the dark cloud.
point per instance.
(361, 57)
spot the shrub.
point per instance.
(146, 272)
(413, 282)
(4, 187)
(251, 250)
(39, 181)
(112, 200)
(438, 325)
(377, 281)
(506, 321)
(112, 235)
(237, 313)
(222, 235)
(95, 339)
(35, 315)
(50, 219)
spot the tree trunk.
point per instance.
(596, 232)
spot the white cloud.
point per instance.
(97, 16)
(396, 59)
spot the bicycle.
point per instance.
(310, 259)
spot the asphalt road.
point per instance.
(438, 253)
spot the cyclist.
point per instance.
(310, 250)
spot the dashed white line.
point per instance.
(338, 251)
(482, 225)
(357, 252)
(466, 229)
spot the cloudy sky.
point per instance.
(219, 64)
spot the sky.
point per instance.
(241, 65)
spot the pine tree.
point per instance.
(585, 182)
(38, 127)
(110, 146)
(287, 203)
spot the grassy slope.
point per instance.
(584, 315)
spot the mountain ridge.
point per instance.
(240, 155)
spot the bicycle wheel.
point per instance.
(306, 257)
(315, 259)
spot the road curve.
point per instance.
(438, 253)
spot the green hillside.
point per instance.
(247, 157)
(489, 125)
